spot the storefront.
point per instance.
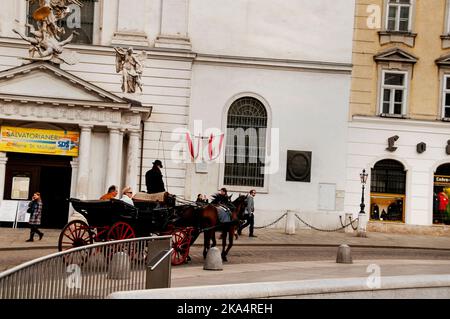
(441, 194)
(388, 193)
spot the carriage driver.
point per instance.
(222, 199)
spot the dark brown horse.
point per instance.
(210, 215)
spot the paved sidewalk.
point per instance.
(14, 239)
(305, 270)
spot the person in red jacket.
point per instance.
(443, 203)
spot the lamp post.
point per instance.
(362, 217)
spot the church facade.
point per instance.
(234, 95)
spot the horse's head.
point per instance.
(240, 203)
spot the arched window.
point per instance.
(388, 176)
(80, 19)
(246, 143)
(388, 189)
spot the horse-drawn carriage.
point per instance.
(117, 220)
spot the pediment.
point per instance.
(396, 55)
(444, 60)
(42, 80)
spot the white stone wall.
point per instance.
(367, 145)
(309, 109)
(294, 54)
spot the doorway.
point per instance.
(49, 175)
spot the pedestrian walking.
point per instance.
(35, 211)
(249, 214)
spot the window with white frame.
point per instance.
(398, 16)
(246, 143)
(446, 97)
(393, 93)
(447, 21)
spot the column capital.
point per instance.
(114, 129)
(134, 133)
(86, 128)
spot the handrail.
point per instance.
(167, 253)
(73, 250)
(91, 271)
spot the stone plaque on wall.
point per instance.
(298, 166)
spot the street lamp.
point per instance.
(362, 217)
(363, 177)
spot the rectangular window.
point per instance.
(394, 92)
(446, 97)
(399, 15)
(447, 20)
(80, 19)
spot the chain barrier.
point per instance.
(273, 223)
(328, 230)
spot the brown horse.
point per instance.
(210, 215)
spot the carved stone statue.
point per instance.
(46, 40)
(132, 66)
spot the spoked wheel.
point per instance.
(180, 244)
(120, 231)
(75, 234)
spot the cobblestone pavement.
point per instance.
(12, 239)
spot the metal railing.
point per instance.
(92, 272)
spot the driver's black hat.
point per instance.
(158, 163)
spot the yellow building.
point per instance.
(399, 123)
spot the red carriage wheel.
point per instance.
(75, 234)
(180, 244)
(121, 231)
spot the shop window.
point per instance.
(398, 16)
(80, 19)
(393, 93)
(441, 194)
(246, 143)
(388, 189)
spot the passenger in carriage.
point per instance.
(127, 195)
(112, 193)
(201, 199)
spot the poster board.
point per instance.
(14, 211)
(22, 215)
(20, 188)
(8, 210)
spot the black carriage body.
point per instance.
(145, 218)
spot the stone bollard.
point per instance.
(348, 219)
(362, 225)
(290, 223)
(119, 267)
(344, 255)
(213, 260)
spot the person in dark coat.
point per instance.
(154, 179)
(35, 211)
(249, 214)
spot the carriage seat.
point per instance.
(153, 198)
(224, 214)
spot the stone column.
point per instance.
(131, 24)
(113, 161)
(83, 162)
(174, 25)
(133, 160)
(3, 161)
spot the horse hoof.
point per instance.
(224, 259)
